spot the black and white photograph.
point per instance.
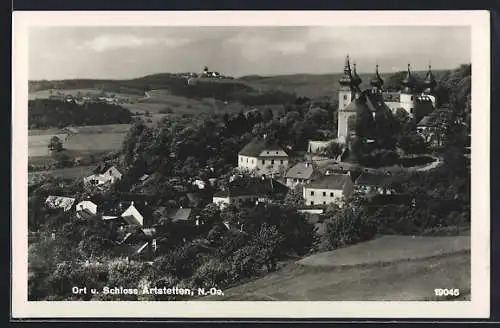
(308, 162)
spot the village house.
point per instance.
(330, 188)
(59, 202)
(129, 214)
(300, 173)
(103, 177)
(86, 209)
(263, 157)
(250, 189)
(370, 184)
(432, 127)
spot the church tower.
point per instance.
(407, 96)
(429, 84)
(349, 87)
(376, 82)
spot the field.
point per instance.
(406, 276)
(81, 143)
(44, 94)
(85, 142)
(160, 100)
(67, 173)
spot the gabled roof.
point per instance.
(255, 147)
(332, 181)
(253, 187)
(302, 170)
(180, 214)
(55, 202)
(370, 179)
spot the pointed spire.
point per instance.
(347, 79)
(408, 82)
(356, 79)
(377, 81)
(429, 81)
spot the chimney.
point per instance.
(327, 172)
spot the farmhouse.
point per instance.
(103, 177)
(300, 173)
(263, 157)
(85, 209)
(253, 189)
(374, 184)
(331, 188)
(59, 202)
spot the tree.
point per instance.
(55, 144)
(294, 197)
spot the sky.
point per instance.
(129, 52)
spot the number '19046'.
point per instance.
(446, 292)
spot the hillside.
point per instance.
(399, 268)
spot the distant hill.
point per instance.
(317, 85)
(249, 90)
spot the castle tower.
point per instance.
(376, 82)
(346, 91)
(429, 82)
(407, 96)
(349, 87)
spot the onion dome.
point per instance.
(408, 82)
(429, 81)
(356, 80)
(377, 81)
(346, 79)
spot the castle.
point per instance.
(352, 100)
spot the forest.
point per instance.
(47, 113)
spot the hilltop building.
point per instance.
(353, 100)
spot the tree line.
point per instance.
(46, 113)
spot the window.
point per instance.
(263, 162)
(281, 162)
(312, 203)
(324, 203)
(331, 194)
(312, 193)
(272, 162)
(324, 193)
(268, 153)
(247, 159)
(345, 97)
(411, 98)
(294, 180)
